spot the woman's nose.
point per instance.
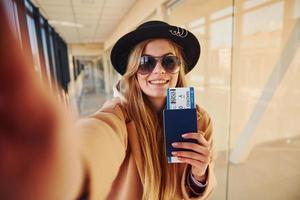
(158, 69)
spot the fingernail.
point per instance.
(184, 135)
(174, 153)
(175, 144)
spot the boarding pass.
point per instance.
(180, 98)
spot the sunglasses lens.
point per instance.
(170, 63)
(147, 64)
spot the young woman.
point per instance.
(127, 132)
(118, 152)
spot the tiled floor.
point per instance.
(272, 171)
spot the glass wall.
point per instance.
(33, 39)
(45, 50)
(44, 47)
(265, 135)
(247, 80)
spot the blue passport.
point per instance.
(176, 123)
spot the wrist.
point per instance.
(200, 178)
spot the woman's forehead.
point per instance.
(159, 47)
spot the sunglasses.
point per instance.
(170, 64)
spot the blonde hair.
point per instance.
(160, 179)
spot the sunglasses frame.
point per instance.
(160, 60)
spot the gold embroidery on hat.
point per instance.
(180, 32)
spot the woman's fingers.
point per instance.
(198, 156)
(192, 146)
(197, 136)
(194, 163)
(191, 155)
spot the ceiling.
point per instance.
(84, 21)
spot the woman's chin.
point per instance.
(157, 95)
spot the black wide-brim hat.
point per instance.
(189, 44)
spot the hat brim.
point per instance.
(121, 50)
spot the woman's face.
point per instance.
(155, 84)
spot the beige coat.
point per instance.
(114, 163)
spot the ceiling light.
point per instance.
(65, 23)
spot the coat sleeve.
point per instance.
(205, 126)
(103, 139)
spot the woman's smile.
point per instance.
(158, 82)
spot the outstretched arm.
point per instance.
(43, 155)
(37, 155)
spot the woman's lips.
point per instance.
(158, 82)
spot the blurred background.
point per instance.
(247, 77)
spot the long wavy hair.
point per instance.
(160, 181)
